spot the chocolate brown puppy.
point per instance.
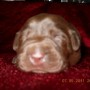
(45, 44)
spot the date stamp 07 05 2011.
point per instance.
(75, 80)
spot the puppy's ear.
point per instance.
(16, 41)
(75, 39)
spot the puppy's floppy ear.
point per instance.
(16, 41)
(75, 39)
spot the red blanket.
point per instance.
(12, 16)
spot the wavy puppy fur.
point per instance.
(45, 44)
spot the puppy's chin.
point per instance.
(41, 59)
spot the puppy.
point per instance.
(46, 44)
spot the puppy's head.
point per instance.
(44, 44)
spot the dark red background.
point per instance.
(12, 16)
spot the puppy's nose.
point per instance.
(38, 55)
